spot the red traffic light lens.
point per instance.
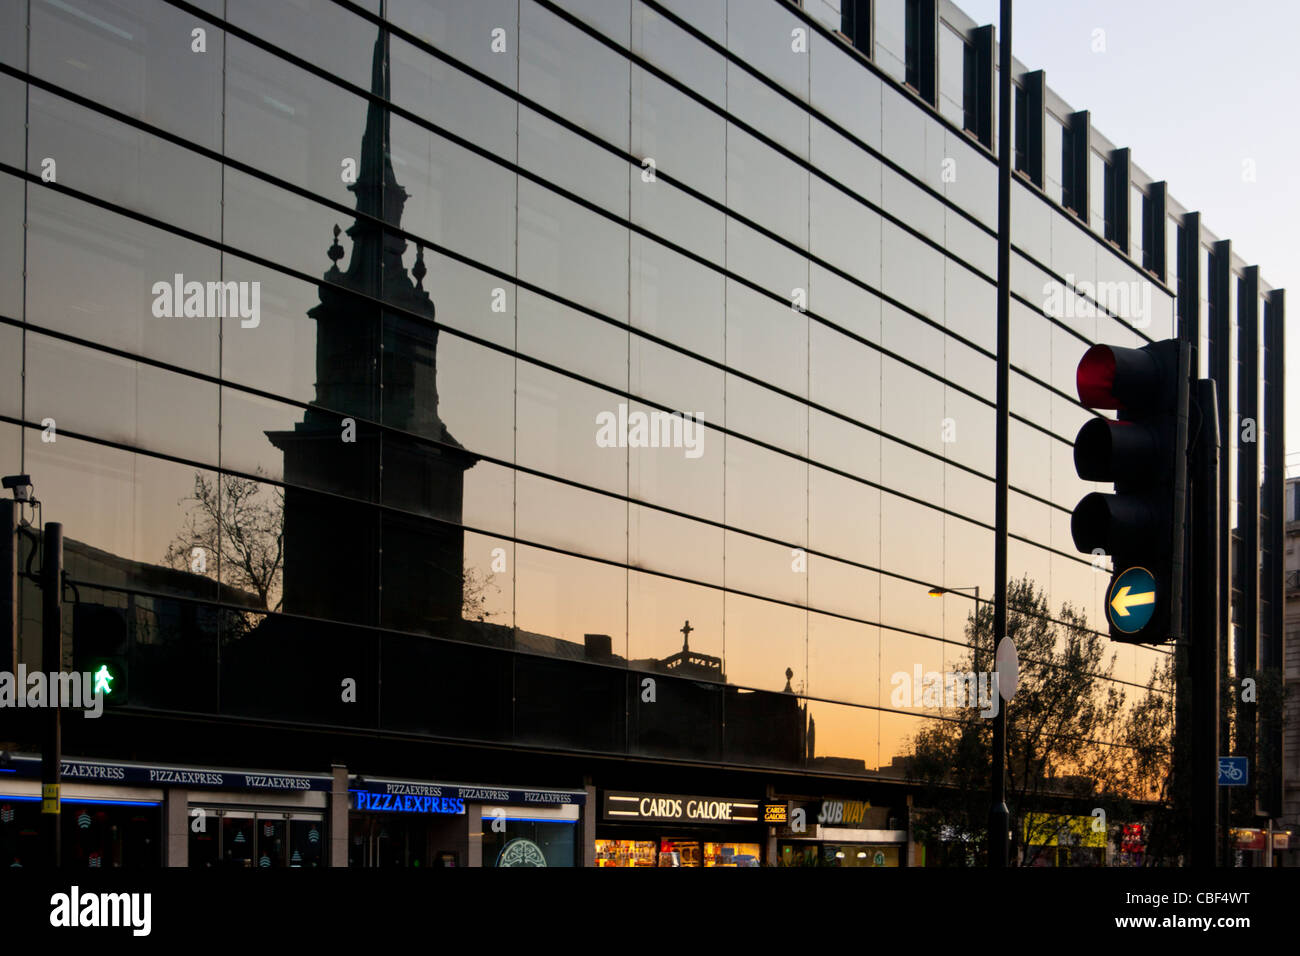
(1095, 378)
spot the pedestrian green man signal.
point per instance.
(103, 680)
(109, 678)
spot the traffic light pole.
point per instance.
(52, 662)
(1203, 633)
(9, 585)
(999, 817)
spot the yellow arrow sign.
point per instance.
(1123, 600)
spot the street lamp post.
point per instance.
(999, 818)
(940, 592)
(999, 815)
(52, 658)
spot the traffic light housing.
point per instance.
(101, 646)
(1143, 452)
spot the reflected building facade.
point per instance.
(382, 526)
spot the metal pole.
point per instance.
(1203, 635)
(52, 662)
(999, 817)
(9, 510)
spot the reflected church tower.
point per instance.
(343, 560)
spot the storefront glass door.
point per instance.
(306, 841)
(266, 839)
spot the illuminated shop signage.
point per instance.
(679, 808)
(462, 793)
(409, 803)
(96, 771)
(1248, 839)
(1132, 841)
(843, 812)
(776, 813)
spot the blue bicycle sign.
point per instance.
(1233, 772)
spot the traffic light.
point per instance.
(1143, 451)
(101, 646)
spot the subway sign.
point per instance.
(843, 813)
(625, 807)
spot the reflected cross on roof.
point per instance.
(688, 663)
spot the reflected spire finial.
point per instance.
(418, 270)
(335, 250)
(377, 190)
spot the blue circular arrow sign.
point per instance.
(1132, 600)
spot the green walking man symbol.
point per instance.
(103, 680)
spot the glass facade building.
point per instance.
(518, 387)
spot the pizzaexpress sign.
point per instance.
(623, 807)
(96, 771)
(395, 796)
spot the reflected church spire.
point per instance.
(346, 560)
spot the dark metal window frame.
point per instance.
(920, 41)
(1075, 154)
(856, 22)
(1109, 200)
(970, 88)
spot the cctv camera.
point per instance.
(21, 485)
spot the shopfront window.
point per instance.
(679, 853)
(96, 834)
(676, 852)
(102, 835)
(856, 854)
(798, 854)
(837, 854)
(237, 836)
(20, 835)
(529, 842)
(406, 840)
(272, 843)
(732, 854)
(306, 841)
(627, 852)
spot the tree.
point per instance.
(236, 529)
(1147, 772)
(1068, 735)
(476, 587)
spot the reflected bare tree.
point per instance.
(477, 586)
(235, 527)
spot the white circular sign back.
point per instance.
(1008, 668)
